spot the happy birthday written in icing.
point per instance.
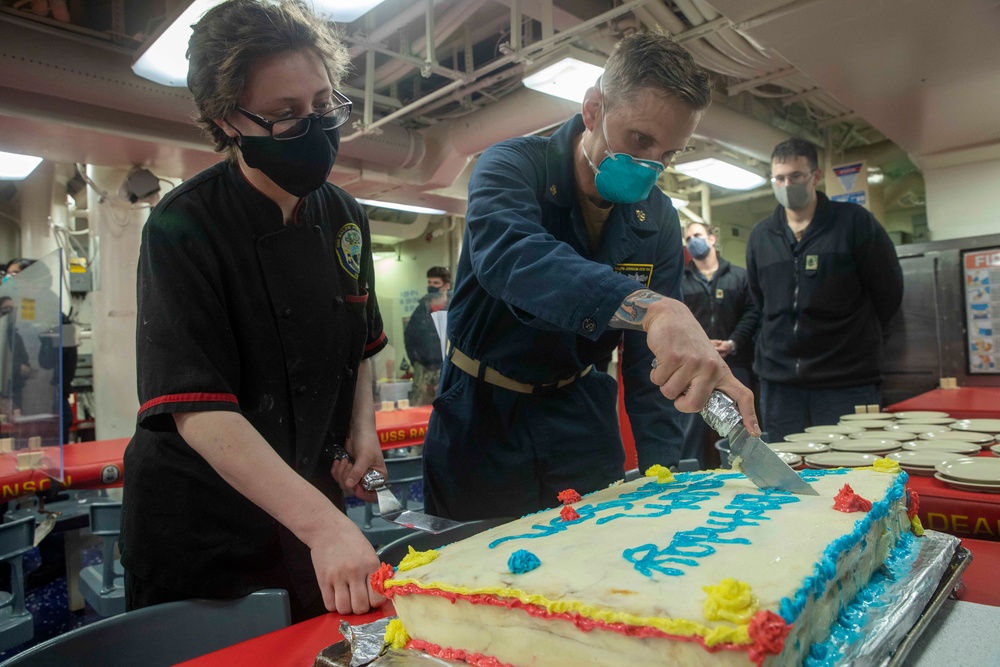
(687, 546)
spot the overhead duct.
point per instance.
(738, 132)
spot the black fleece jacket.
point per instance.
(724, 308)
(824, 300)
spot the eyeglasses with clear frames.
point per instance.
(293, 128)
(794, 178)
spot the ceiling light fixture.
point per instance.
(401, 207)
(14, 166)
(722, 173)
(164, 60)
(567, 73)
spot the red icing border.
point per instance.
(847, 500)
(476, 659)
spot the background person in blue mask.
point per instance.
(423, 344)
(569, 249)
(719, 297)
(827, 280)
(256, 317)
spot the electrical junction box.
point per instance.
(81, 281)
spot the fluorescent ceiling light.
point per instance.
(569, 76)
(717, 172)
(14, 166)
(401, 207)
(164, 61)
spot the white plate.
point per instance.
(995, 449)
(968, 486)
(866, 416)
(937, 421)
(978, 470)
(960, 436)
(920, 414)
(868, 423)
(791, 459)
(840, 460)
(814, 437)
(966, 448)
(898, 436)
(869, 446)
(800, 447)
(843, 429)
(918, 427)
(991, 426)
(927, 458)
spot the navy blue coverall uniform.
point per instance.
(726, 311)
(533, 303)
(825, 302)
(239, 312)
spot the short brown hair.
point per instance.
(439, 272)
(654, 60)
(789, 149)
(232, 36)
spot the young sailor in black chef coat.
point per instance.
(256, 314)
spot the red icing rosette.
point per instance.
(913, 503)
(568, 497)
(569, 514)
(768, 631)
(848, 501)
(380, 576)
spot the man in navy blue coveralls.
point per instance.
(568, 250)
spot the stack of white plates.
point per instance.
(995, 449)
(918, 427)
(840, 460)
(815, 437)
(898, 436)
(991, 426)
(970, 474)
(800, 448)
(922, 462)
(842, 429)
(865, 445)
(966, 448)
(794, 460)
(867, 423)
(936, 421)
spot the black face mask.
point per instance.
(297, 166)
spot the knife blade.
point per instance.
(748, 453)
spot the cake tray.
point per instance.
(888, 632)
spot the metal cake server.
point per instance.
(748, 453)
(390, 508)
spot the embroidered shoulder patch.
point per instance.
(641, 273)
(349, 249)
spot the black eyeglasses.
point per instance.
(293, 128)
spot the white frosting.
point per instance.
(584, 566)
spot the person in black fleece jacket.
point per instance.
(827, 280)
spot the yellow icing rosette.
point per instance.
(886, 465)
(662, 474)
(730, 600)
(415, 559)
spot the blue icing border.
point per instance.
(826, 568)
(848, 627)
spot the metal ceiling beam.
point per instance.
(760, 81)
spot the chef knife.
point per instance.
(759, 463)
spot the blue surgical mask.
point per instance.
(698, 247)
(621, 178)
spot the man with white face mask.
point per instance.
(567, 244)
(827, 280)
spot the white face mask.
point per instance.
(793, 197)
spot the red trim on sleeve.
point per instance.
(190, 397)
(371, 346)
(356, 298)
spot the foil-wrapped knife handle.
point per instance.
(721, 413)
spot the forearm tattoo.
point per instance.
(632, 310)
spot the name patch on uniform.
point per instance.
(349, 249)
(812, 262)
(719, 294)
(641, 273)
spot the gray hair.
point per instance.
(654, 60)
